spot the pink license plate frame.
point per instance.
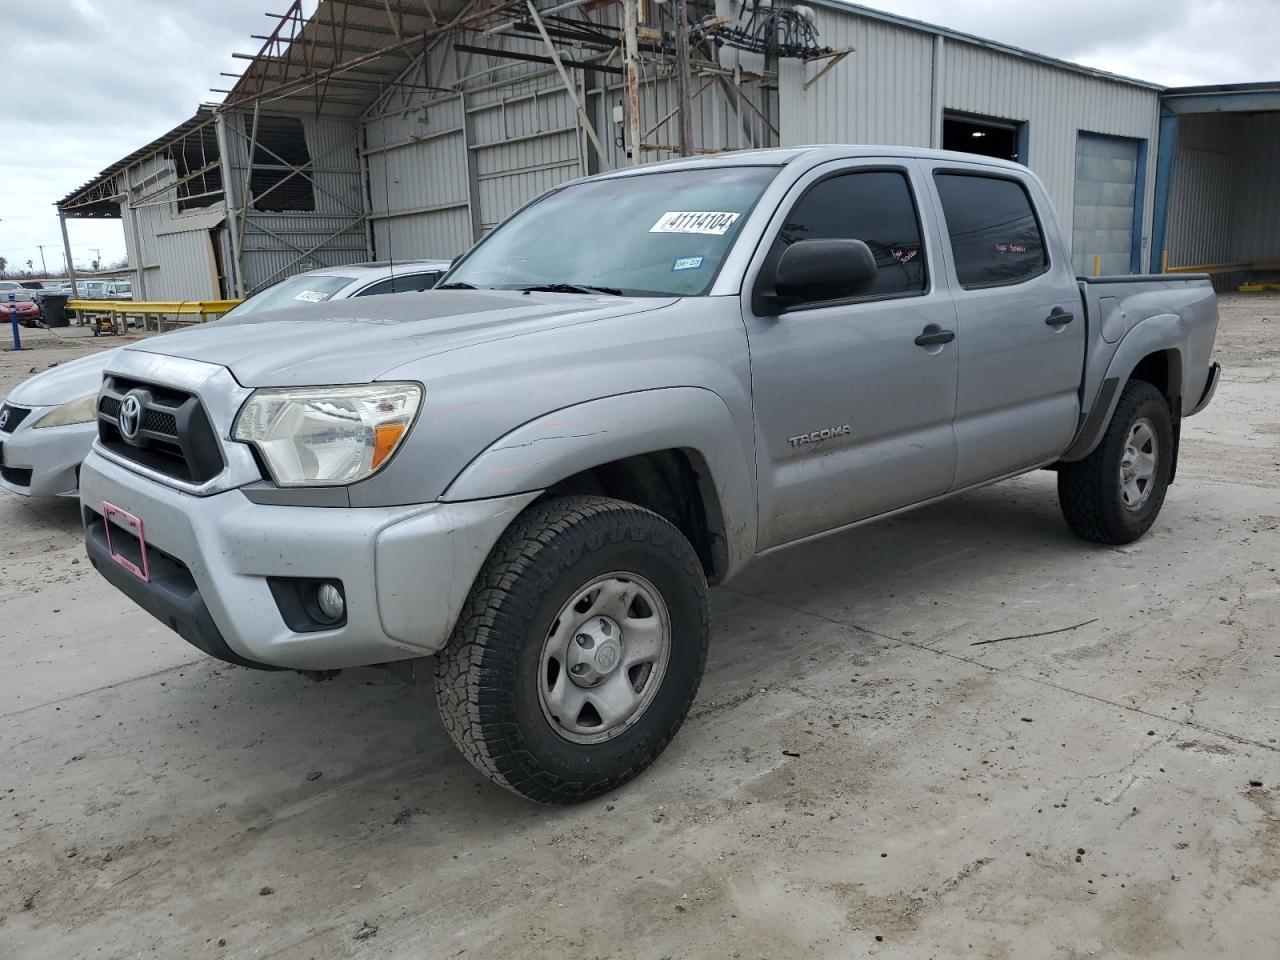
(110, 513)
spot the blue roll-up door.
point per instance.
(1106, 191)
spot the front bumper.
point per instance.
(44, 462)
(405, 571)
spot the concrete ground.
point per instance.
(863, 774)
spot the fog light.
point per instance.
(330, 603)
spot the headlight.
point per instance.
(80, 410)
(323, 436)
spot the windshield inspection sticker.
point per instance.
(708, 222)
(687, 263)
(310, 296)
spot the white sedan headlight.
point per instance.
(80, 410)
(327, 436)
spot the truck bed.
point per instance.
(1121, 312)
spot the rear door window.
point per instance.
(995, 237)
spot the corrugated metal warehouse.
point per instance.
(374, 130)
(1220, 160)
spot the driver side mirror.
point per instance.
(810, 271)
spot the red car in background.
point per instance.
(26, 306)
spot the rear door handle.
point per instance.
(934, 334)
(1057, 317)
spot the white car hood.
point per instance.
(65, 382)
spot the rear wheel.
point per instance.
(1114, 494)
(579, 650)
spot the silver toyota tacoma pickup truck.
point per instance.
(631, 388)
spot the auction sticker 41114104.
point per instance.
(711, 223)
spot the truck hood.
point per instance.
(356, 340)
(63, 383)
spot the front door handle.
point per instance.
(1058, 317)
(933, 334)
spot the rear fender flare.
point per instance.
(1156, 334)
(561, 443)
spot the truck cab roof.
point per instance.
(813, 155)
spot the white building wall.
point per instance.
(1056, 104)
(416, 163)
(878, 94)
(171, 252)
(898, 81)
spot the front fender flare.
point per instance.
(544, 451)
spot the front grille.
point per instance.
(157, 421)
(174, 436)
(11, 416)
(18, 476)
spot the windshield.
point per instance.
(306, 288)
(656, 234)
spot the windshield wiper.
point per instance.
(455, 285)
(570, 288)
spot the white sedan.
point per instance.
(47, 424)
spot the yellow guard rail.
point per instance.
(158, 309)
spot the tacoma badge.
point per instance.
(819, 435)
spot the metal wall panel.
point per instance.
(278, 245)
(417, 180)
(1206, 183)
(523, 143)
(1257, 219)
(1224, 202)
(878, 94)
(519, 137)
(885, 92)
(721, 120)
(171, 263)
(1057, 104)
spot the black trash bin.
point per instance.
(54, 308)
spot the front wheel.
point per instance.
(579, 651)
(1114, 494)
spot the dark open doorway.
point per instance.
(985, 136)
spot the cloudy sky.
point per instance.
(99, 79)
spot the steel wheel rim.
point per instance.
(593, 689)
(1138, 463)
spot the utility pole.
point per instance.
(97, 257)
(684, 98)
(631, 76)
(229, 200)
(43, 266)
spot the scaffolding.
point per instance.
(295, 156)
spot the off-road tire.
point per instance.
(1089, 490)
(487, 674)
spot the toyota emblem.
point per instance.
(130, 417)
